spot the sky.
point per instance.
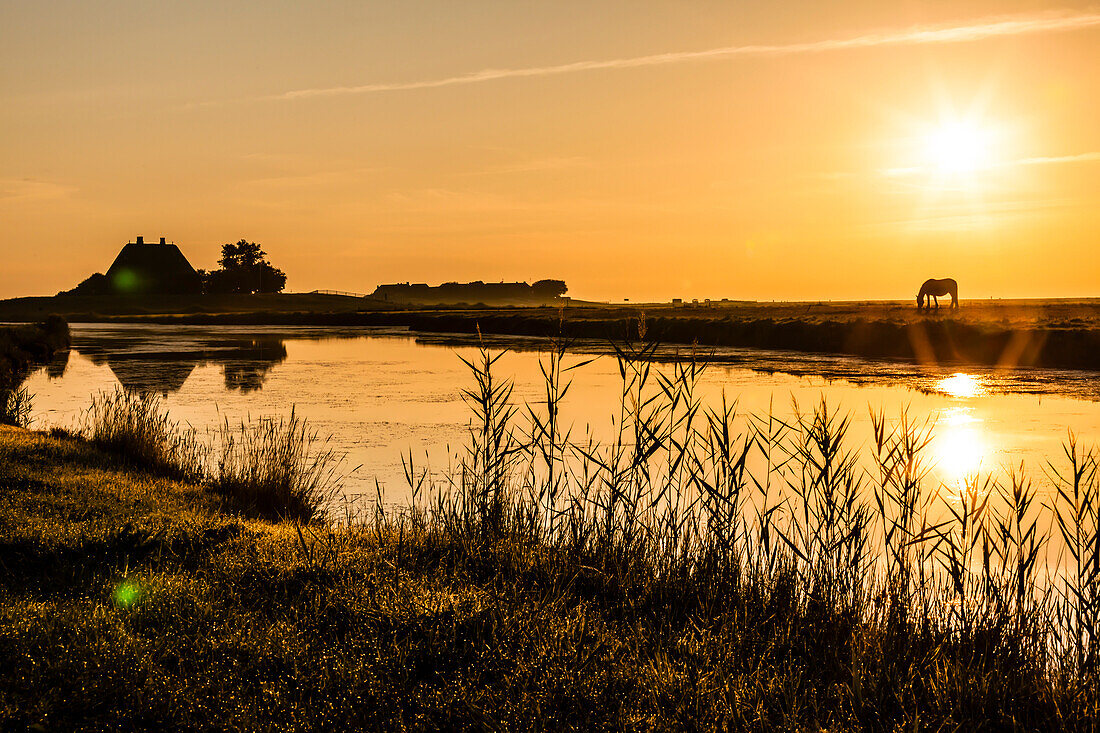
(638, 150)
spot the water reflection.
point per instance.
(381, 393)
(144, 363)
(961, 385)
(960, 446)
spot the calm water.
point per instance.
(381, 394)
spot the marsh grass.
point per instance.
(276, 467)
(15, 406)
(893, 600)
(136, 427)
(273, 467)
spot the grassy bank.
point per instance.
(658, 581)
(1037, 336)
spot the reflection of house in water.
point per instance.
(144, 361)
(142, 374)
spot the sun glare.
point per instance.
(960, 385)
(957, 147)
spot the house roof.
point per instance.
(152, 268)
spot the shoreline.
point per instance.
(1061, 334)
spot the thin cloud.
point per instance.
(531, 166)
(996, 27)
(1046, 160)
(27, 189)
(1089, 157)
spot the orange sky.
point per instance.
(636, 149)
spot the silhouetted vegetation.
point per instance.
(700, 570)
(21, 348)
(543, 292)
(244, 269)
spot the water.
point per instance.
(382, 394)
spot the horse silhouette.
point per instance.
(933, 288)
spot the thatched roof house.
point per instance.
(152, 268)
(144, 269)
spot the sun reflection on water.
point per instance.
(960, 446)
(960, 385)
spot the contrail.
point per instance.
(995, 27)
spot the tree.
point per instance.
(550, 288)
(243, 254)
(244, 269)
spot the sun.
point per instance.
(957, 147)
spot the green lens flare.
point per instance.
(126, 281)
(127, 593)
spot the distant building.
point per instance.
(473, 293)
(143, 268)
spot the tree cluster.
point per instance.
(549, 288)
(244, 269)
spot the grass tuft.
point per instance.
(136, 427)
(15, 406)
(276, 467)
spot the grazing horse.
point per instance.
(933, 288)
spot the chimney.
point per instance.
(141, 240)
(162, 240)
